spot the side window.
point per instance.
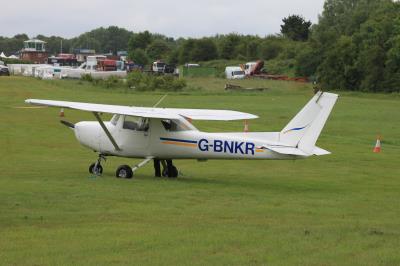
(167, 124)
(136, 123)
(175, 125)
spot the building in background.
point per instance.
(35, 51)
(82, 54)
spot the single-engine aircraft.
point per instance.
(164, 134)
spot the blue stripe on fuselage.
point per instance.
(179, 140)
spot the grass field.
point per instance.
(341, 209)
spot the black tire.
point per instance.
(124, 171)
(97, 171)
(173, 174)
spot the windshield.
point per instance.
(160, 64)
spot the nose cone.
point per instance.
(87, 133)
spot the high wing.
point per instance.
(149, 112)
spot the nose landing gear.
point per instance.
(96, 168)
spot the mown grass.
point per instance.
(341, 209)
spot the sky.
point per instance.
(173, 18)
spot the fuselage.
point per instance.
(174, 139)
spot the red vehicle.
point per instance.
(107, 65)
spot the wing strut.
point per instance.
(110, 137)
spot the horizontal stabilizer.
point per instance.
(318, 151)
(287, 150)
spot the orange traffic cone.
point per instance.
(246, 126)
(377, 148)
(62, 112)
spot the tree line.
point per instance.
(354, 46)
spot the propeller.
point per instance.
(68, 124)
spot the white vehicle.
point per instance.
(164, 134)
(90, 67)
(158, 66)
(234, 72)
(91, 62)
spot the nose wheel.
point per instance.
(96, 168)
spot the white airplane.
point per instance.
(164, 134)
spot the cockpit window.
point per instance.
(176, 125)
(136, 123)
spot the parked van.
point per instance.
(234, 72)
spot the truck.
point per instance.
(252, 68)
(160, 67)
(234, 72)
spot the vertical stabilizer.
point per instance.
(304, 129)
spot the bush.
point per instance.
(146, 82)
(15, 61)
(111, 82)
(87, 77)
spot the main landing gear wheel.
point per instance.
(174, 173)
(169, 170)
(124, 171)
(96, 169)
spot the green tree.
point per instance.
(270, 48)
(307, 61)
(185, 53)
(139, 56)
(158, 49)
(372, 64)
(355, 41)
(140, 40)
(252, 50)
(296, 28)
(339, 70)
(227, 47)
(204, 50)
(173, 57)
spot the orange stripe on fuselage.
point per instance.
(180, 143)
(260, 150)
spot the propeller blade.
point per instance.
(66, 123)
